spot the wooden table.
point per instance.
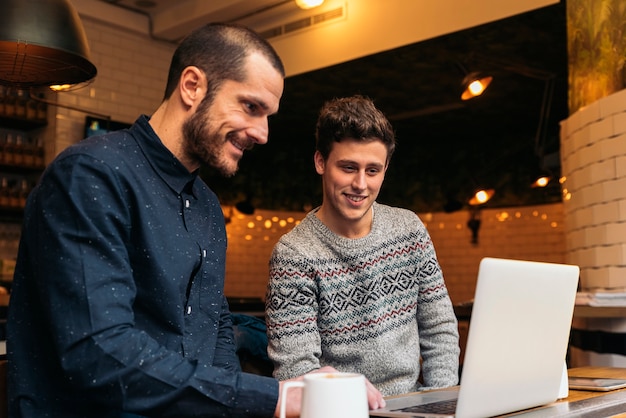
(608, 372)
(586, 311)
(587, 404)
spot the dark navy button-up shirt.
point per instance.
(117, 302)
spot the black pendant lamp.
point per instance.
(42, 43)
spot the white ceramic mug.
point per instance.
(330, 395)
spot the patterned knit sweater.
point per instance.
(373, 305)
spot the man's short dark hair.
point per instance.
(220, 51)
(353, 117)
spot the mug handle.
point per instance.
(283, 395)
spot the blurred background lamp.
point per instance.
(541, 181)
(474, 85)
(481, 196)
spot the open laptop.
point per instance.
(516, 346)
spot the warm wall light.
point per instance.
(309, 4)
(481, 196)
(474, 84)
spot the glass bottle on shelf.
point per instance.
(20, 104)
(31, 108)
(29, 152)
(23, 193)
(14, 194)
(5, 192)
(42, 108)
(18, 149)
(10, 103)
(7, 148)
(3, 140)
(39, 153)
(3, 96)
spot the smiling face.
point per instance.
(235, 119)
(351, 177)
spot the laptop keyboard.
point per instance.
(447, 407)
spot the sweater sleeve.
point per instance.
(294, 344)
(437, 323)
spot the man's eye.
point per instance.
(252, 107)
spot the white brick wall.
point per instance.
(251, 239)
(132, 72)
(593, 155)
(531, 233)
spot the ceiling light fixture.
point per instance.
(474, 84)
(308, 4)
(481, 196)
(543, 177)
(42, 42)
(541, 181)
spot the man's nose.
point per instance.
(358, 182)
(259, 132)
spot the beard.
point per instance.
(204, 146)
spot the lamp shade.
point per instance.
(42, 42)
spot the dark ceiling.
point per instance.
(446, 147)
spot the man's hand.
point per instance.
(375, 399)
(294, 396)
(294, 399)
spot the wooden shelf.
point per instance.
(586, 311)
(22, 124)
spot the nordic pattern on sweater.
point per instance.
(373, 305)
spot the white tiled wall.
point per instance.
(532, 233)
(593, 156)
(250, 242)
(132, 72)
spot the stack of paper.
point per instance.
(601, 298)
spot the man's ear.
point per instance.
(320, 164)
(192, 86)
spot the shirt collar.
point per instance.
(168, 167)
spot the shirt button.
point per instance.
(186, 203)
(189, 310)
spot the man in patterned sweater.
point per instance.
(357, 285)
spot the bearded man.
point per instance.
(117, 304)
